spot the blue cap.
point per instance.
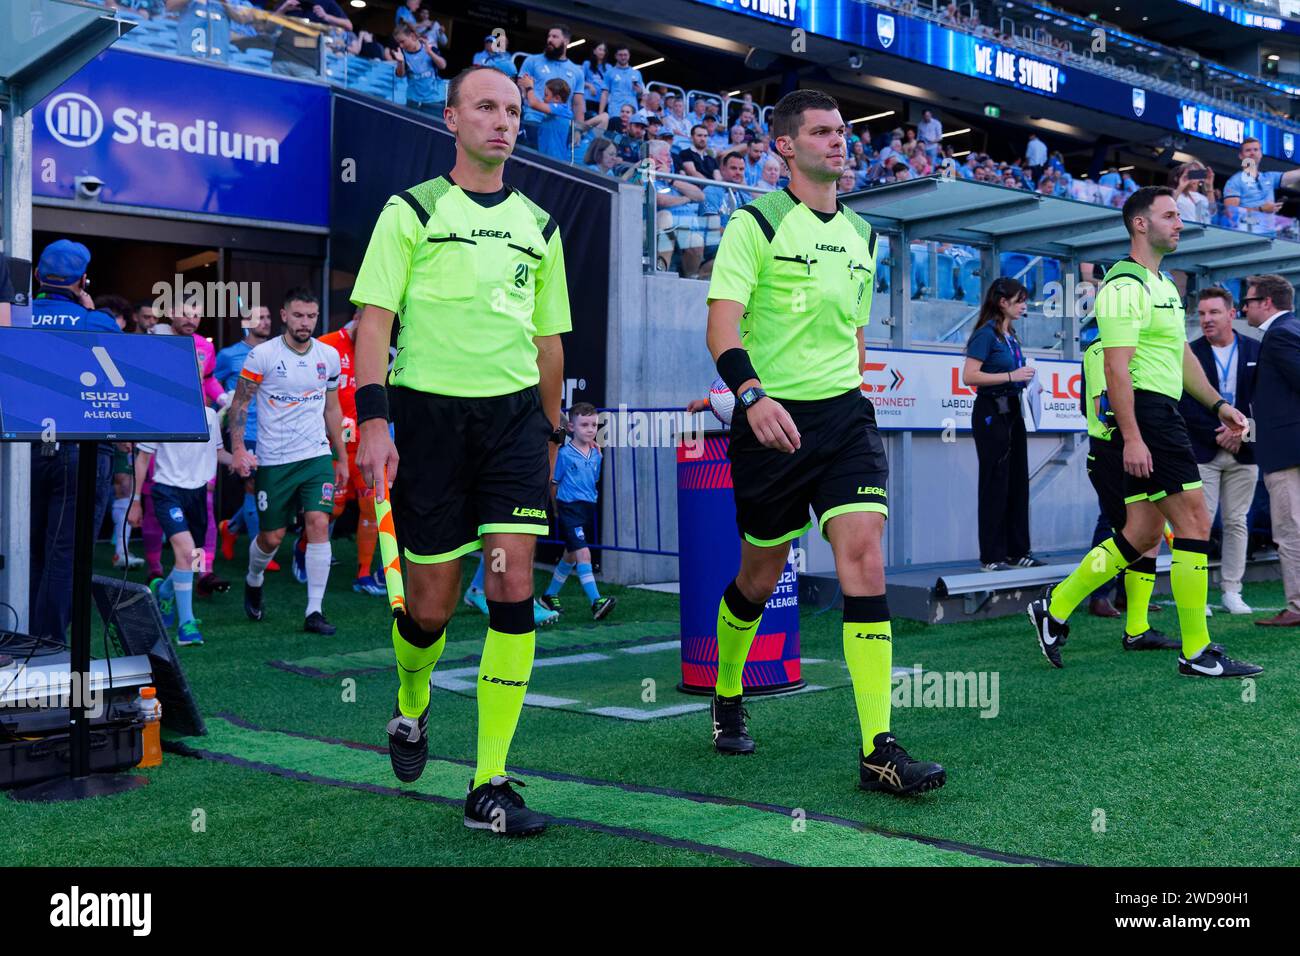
(62, 263)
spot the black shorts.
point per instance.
(577, 520)
(1106, 472)
(181, 509)
(1164, 432)
(469, 466)
(840, 466)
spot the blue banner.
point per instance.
(169, 134)
(889, 32)
(74, 386)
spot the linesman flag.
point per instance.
(388, 549)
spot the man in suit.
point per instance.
(1276, 410)
(1227, 464)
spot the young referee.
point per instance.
(1148, 364)
(472, 414)
(790, 293)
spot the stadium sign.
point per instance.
(964, 53)
(169, 134)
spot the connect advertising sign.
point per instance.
(922, 391)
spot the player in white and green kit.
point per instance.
(294, 379)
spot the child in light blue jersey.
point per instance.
(577, 475)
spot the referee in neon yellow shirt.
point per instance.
(1148, 365)
(788, 299)
(476, 272)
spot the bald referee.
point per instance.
(475, 270)
(789, 297)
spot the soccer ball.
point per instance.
(721, 401)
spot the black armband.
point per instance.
(372, 402)
(735, 368)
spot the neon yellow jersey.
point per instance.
(1094, 377)
(806, 280)
(1138, 310)
(473, 278)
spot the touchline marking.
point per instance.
(739, 856)
(937, 842)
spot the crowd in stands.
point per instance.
(603, 114)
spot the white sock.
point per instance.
(257, 562)
(120, 507)
(318, 574)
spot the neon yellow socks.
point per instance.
(1097, 567)
(1190, 578)
(738, 619)
(503, 674)
(417, 653)
(869, 652)
(1139, 582)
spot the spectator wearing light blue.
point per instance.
(203, 26)
(967, 169)
(555, 133)
(754, 161)
(929, 129)
(496, 54)
(1252, 189)
(724, 199)
(601, 157)
(1036, 154)
(717, 138)
(623, 82)
(417, 61)
(405, 14)
(594, 75)
(682, 226)
(551, 64)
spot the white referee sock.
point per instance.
(120, 507)
(257, 562)
(318, 574)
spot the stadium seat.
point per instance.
(946, 279)
(920, 271)
(970, 280)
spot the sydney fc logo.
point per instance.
(885, 29)
(1139, 101)
(74, 120)
(1288, 144)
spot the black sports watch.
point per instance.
(559, 435)
(751, 395)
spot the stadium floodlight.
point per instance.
(578, 42)
(873, 116)
(655, 61)
(956, 132)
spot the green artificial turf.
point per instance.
(1115, 760)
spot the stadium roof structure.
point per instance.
(43, 42)
(1010, 220)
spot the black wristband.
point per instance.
(372, 402)
(735, 368)
(1214, 409)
